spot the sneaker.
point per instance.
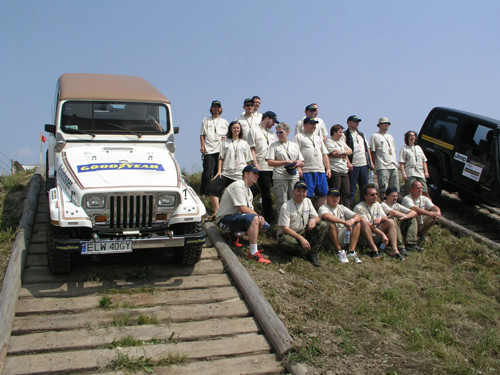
(258, 257)
(403, 252)
(415, 248)
(342, 256)
(374, 254)
(354, 257)
(311, 257)
(399, 257)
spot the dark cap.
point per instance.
(271, 115)
(251, 168)
(300, 185)
(216, 103)
(390, 190)
(248, 100)
(353, 118)
(311, 120)
(312, 107)
(334, 192)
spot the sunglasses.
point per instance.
(249, 105)
(373, 194)
(280, 132)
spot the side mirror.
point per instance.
(49, 128)
(176, 130)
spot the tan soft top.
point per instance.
(84, 86)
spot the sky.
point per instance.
(395, 59)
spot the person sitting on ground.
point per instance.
(234, 155)
(428, 212)
(236, 212)
(379, 224)
(300, 228)
(405, 220)
(341, 220)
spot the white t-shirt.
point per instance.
(235, 154)
(313, 149)
(396, 207)
(342, 212)
(261, 138)
(370, 213)
(385, 151)
(320, 127)
(421, 202)
(413, 158)
(296, 216)
(359, 152)
(337, 164)
(247, 123)
(237, 194)
(283, 151)
(213, 130)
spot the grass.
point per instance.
(13, 190)
(124, 362)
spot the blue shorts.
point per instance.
(316, 184)
(236, 222)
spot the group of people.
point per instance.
(245, 157)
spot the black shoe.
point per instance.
(399, 256)
(311, 257)
(415, 248)
(403, 252)
(374, 254)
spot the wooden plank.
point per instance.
(96, 338)
(88, 360)
(36, 260)
(109, 271)
(37, 248)
(51, 305)
(99, 318)
(73, 289)
(39, 237)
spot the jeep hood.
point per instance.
(120, 167)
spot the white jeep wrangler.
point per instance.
(112, 180)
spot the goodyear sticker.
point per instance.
(120, 166)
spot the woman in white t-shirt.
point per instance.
(413, 163)
(338, 153)
(234, 155)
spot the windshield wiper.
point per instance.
(69, 130)
(124, 128)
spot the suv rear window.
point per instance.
(114, 117)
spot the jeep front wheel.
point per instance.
(435, 183)
(190, 254)
(59, 261)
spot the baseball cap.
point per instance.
(271, 115)
(353, 118)
(251, 168)
(300, 185)
(383, 120)
(216, 103)
(312, 107)
(334, 191)
(311, 120)
(247, 101)
(390, 190)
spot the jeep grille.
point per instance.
(130, 211)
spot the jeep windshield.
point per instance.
(97, 117)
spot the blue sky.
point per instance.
(369, 58)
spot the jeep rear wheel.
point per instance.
(59, 261)
(435, 183)
(190, 254)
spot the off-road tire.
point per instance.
(59, 261)
(436, 183)
(190, 255)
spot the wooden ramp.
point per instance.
(183, 320)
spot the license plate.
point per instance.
(106, 247)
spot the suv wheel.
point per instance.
(59, 261)
(190, 254)
(435, 183)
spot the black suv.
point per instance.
(463, 153)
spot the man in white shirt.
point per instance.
(247, 120)
(381, 229)
(316, 168)
(405, 220)
(360, 162)
(236, 213)
(344, 227)
(259, 139)
(428, 213)
(312, 111)
(300, 228)
(256, 104)
(383, 151)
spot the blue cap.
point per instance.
(334, 191)
(300, 185)
(311, 120)
(251, 168)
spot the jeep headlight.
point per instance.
(95, 202)
(167, 201)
